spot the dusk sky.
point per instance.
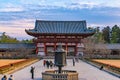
(18, 15)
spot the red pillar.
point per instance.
(36, 48)
(45, 49)
(76, 49)
(66, 47)
(54, 46)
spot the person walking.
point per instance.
(51, 64)
(48, 64)
(4, 77)
(73, 61)
(44, 63)
(11, 77)
(32, 72)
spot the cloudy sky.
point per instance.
(18, 15)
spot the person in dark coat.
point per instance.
(4, 77)
(32, 72)
(44, 63)
(51, 64)
(11, 77)
(47, 63)
(73, 61)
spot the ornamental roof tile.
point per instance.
(60, 27)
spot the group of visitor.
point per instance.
(5, 77)
(48, 64)
(73, 61)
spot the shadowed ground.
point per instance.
(115, 63)
(9, 61)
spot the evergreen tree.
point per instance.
(27, 41)
(7, 39)
(106, 34)
(98, 38)
(115, 34)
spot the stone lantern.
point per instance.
(60, 58)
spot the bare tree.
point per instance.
(89, 44)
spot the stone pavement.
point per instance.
(86, 71)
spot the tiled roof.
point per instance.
(16, 45)
(107, 46)
(60, 27)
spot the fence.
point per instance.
(65, 75)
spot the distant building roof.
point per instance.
(63, 27)
(16, 45)
(108, 46)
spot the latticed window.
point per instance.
(47, 36)
(72, 36)
(79, 36)
(41, 37)
(69, 36)
(62, 36)
(57, 36)
(51, 36)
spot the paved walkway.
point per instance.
(86, 72)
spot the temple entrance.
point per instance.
(67, 33)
